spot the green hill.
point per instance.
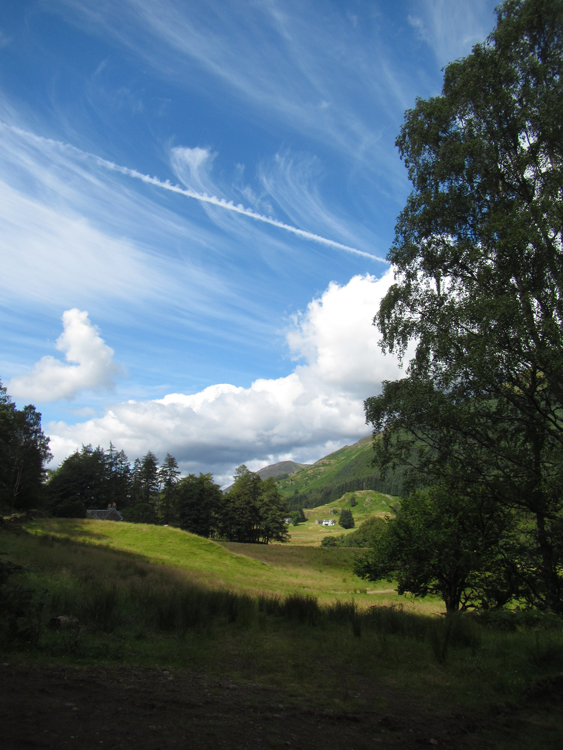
(369, 503)
(273, 569)
(346, 470)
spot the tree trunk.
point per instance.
(549, 574)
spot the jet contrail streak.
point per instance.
(202, 197)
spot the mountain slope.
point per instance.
(346, 470)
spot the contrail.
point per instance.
(202, 197)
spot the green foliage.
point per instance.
(168, 475)
(94, 478)
(199, 501)
(89, 478)
(146, 479)
(141, 513)
(353, 501)
(24, 451)
(346, 519)
(253, 510)
(298, 517)
(448, 545)
(365, 536)
(477, 259)
(69, 508)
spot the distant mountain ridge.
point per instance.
(281, 468)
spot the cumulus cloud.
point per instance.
(336, 337)
(315, 409)
(89, 364)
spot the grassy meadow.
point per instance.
(250, 568)
(286, 616)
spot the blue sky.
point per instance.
(196, 201)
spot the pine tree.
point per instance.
(168, 475)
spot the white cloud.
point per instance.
(304, 415)
(337, 338)
(73, 234)
(89, 366)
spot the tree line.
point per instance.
(478, 259)
(253, 511)
(24, 451)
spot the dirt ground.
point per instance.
(155, 709)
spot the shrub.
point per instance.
(346, 519)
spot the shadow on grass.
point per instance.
(53, 534)
(66, 527)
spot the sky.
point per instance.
(196, 204)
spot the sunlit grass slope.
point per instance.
(368, 503)
(273, 569)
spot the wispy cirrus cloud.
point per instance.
(192, 160)
(72, 235)
(323, 80)
(451, 29)
(292, 181)
(73, 232)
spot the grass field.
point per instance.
(252, 568)
(285, 617)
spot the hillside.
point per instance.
(368, 503)
(251, 568)
(346, 470)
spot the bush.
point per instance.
(330, 541)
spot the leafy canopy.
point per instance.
(478, 259)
